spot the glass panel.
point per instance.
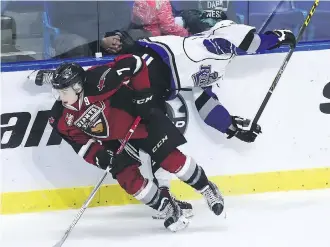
(37, 30)
(291, 15)
(21, 31)
(72, 26)
(115, 15)
(318, 28)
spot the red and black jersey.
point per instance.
(104, 111)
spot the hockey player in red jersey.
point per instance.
(95, 109)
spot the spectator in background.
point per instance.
(197, 21)
(156, 17)
(123, 41)
(213, 10)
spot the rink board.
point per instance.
(114, 195)
(39, 173)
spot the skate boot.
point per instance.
(213, 198)
(186, 207)
(174, 218)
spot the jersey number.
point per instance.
(119, 72)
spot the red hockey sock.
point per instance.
(131, 180)
(174, 161)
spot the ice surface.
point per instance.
(284, 219)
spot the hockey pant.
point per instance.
(161, 144)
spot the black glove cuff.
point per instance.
(232, 130)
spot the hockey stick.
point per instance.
(282, 68)
(98, 185)
(270, 17)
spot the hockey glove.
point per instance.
(236, 129)
(144, 101)
(285, 37)
(127, 43)
(117, 162)
(41, 77)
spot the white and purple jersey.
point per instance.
(200, 61)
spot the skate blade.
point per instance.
(181, 224)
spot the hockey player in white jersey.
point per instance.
(198, 62)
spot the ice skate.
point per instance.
(213, 198)
(174, 218)
(186, 207)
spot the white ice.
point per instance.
(284, 219)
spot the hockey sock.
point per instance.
(193, 174)
(186, 169)
(131, 180)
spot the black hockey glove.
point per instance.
(285, 37)
(236, 129)
(144, 101)
(127, 42)
(41, 77)
(117, 163)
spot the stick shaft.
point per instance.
(283, 66)
(98, 185)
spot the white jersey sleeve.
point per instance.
(200, 60)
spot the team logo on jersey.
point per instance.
(100, 85)
(69, 119)
(177, 111)
(204, 77)
(93, 121)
